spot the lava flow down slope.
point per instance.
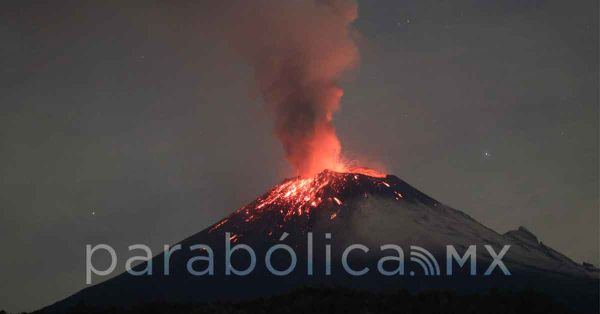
(326, 214)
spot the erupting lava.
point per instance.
(300, 195)
(324, 194)
(298, 66)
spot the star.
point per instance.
(407, 21)
(487, 154)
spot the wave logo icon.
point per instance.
(425, 259)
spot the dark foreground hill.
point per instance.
(330, 301)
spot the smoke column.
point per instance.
(299, 50)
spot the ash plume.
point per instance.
(299, 50)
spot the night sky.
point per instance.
(126, 125)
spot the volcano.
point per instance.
(325, 215)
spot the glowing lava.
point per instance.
(366, 171)
(299, 197)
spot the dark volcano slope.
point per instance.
(352, 209)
